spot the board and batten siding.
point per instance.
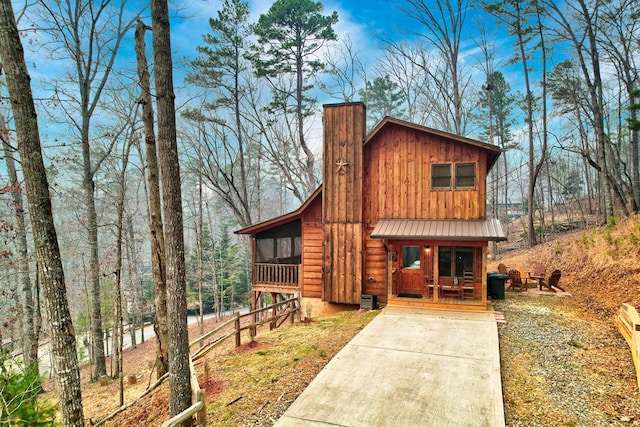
(344, 131)
(397, 177)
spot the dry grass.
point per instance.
(563, 361)
(250, 385)
(601, 266)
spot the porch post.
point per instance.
(389, 251)
(485, 250)
(436, 272)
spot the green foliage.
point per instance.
(577, 344)
(229, 258)
(223, 265)
(290, 31)
(632, 122)
(572, 181)
(19, 388)
(496, 99)
(383, 98)
(558, 248)
(565, 86)
(220, 60)
(613, 221)
(587, 240)
(290, 35)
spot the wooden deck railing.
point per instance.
(628, 322)
(286, 275)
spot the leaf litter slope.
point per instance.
(563, 361)
(250, 385)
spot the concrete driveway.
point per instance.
(409, 367)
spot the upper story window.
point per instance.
(465, 175)
(441, 176)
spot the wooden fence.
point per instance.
(218, 335)
(628, 322)
(288, 309)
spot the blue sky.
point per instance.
(362, 21)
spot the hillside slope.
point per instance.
(600, 267)
(563, 361)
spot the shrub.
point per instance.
(19, 390)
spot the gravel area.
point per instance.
(562, 366)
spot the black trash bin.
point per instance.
(496, 285)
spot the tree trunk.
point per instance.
(200, 243)
(29, 338)
(543, 150)
(179, 378)
(118, 321)
(310, 163)
(531, 232)
(132, 264)
(155, 221)
(94, 262)
(63, 342)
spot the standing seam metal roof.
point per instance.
(440, 229)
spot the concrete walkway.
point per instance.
(409, 367)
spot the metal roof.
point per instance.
(440, 229)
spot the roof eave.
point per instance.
(493, 150)
(282, 219)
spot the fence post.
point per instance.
(237, 326)
(274, 297)
(255, 297)
(292, 313)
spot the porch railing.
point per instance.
(285, 275)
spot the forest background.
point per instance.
(554, 84)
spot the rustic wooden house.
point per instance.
(400, 216)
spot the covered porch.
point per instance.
(437, 263)
(277, 259)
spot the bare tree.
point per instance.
(179, 378)
(63, 342)
(578, 25)
(31, 326)
(88, 34)
(621, 42)
(120, 206)
(221, 68)
(517, 16)
(441, 24)
(346, 71)
(415, 84)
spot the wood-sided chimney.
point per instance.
(344, 127)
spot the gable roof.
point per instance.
(282, 219)
(493, 151)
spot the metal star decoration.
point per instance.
(342, 166)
